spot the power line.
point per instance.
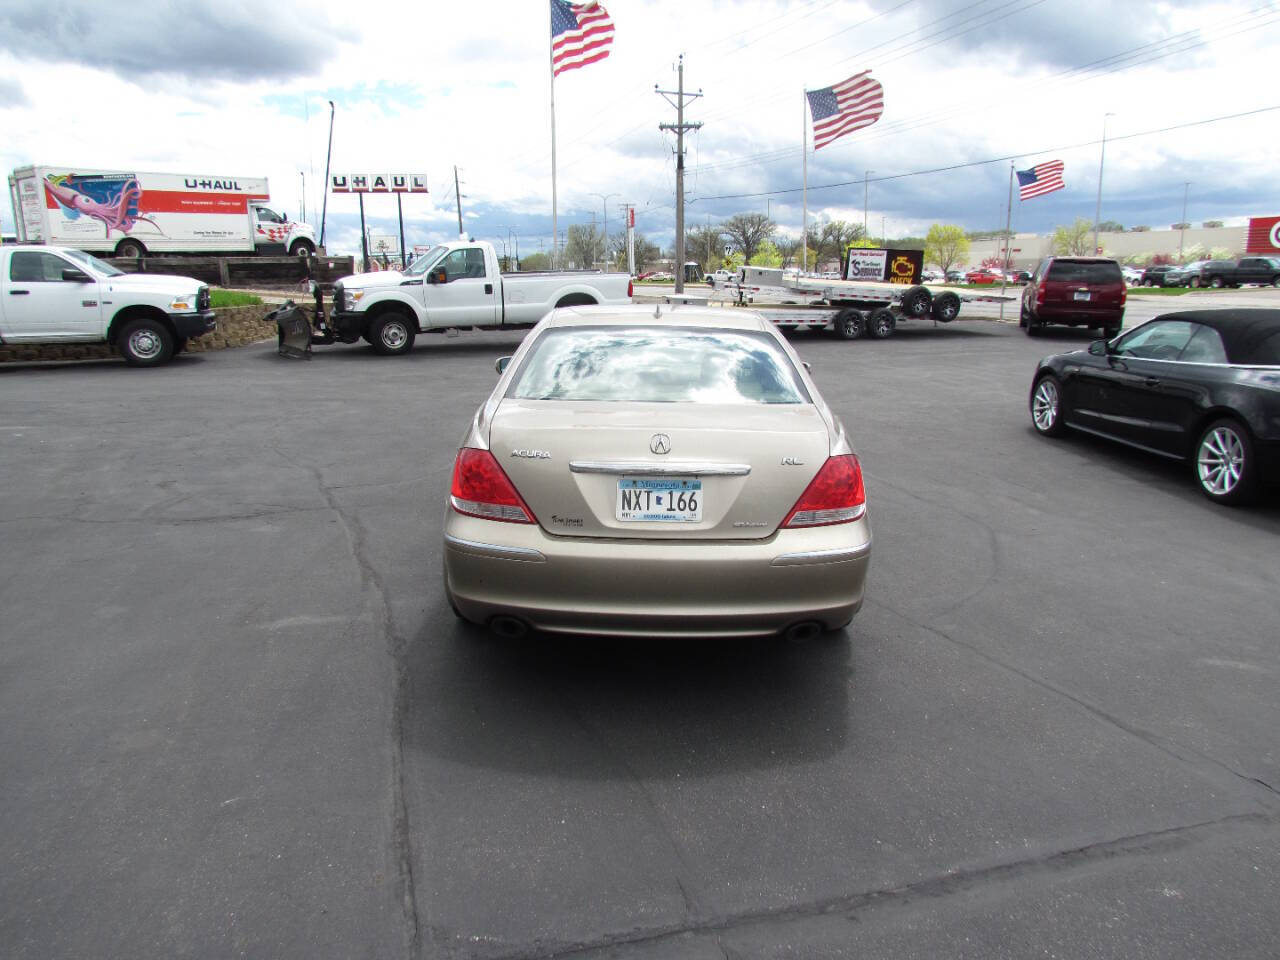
(980, 163)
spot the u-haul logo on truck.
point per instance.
(193, 183)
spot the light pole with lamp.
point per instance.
(604, 200)
(865, 178)
(1097, 214)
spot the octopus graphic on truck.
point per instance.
(111, 199)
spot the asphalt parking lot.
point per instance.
(238, 719)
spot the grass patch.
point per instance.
(232, 298)
(1160, 291)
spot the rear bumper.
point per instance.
(188, 325)
(1067, 317)
(655, 587)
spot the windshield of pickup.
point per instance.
(93, 263)
(426, 261)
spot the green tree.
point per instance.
(1075, 239)
(1111, 226)
(536, 261)
(733, 261)
(766, 255)
(1211, 224)
(647, 252)
(704, 245)
(746, 231)
(945, 245)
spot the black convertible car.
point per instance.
(1203, 386)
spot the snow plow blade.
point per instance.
(294, 330)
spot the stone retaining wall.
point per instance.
(237, 326)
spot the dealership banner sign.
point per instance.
(1263, 236)
(883, 265)
(378, 183)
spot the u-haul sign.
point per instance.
(378, 183)
(1263, 236)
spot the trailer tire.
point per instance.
(917, 302)
(881, 324)
(946, 307)
(391, 333)
(849, 324)
(130, 249)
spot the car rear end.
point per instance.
(1080, 292)
(645, 508)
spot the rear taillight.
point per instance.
(481, 489)
(1124, 296)
(630, 286)
(1040, 293)
(835, 495)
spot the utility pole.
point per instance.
(630, 221)
(865, 179)
(457, 195)
(679, 127)
(1182, 224)
(324, 208)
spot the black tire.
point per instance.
(946, 307)
(1194, 283)
(1275, 281)
(391, 333)
(881, 324)
(1216, 282)
(130, 249)
(145, 343)
(850, 324)
(1045, 403)
(917, 302)
(1223, 463)
(1023, 316)
(1034, 325)
(302, 248)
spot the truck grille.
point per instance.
(202, 299)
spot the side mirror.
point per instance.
(1099, 348)
(72, 275)
(501, 364)
(438, 276)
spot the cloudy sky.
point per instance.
(241, 87)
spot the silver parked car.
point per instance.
(670, 471)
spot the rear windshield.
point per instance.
(657, 365)
(1081, 271)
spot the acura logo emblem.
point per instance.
(660, 443)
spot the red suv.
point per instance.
(1075, 292)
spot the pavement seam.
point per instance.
(1183, 754)
(942, 885)
(397, 648)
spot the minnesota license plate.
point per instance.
(659, 499)
(1083, 294)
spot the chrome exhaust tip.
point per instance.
(509, 628)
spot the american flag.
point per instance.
(845, 107)
(1041, 179)
(581, 33)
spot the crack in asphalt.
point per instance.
(397, 648)
(850, 906)
(1183, 754)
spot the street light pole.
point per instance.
(865, 178)
(1182, 224)
(1097, 214)
(604, 200)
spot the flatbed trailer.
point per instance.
(852, 308)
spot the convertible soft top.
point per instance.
(1251, 336)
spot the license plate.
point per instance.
(1083, 295)
(654, 499)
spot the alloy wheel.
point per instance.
(1220, 462)
(1044, 405)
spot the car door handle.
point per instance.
(18, 293)
(488, 288)
(1151, 382)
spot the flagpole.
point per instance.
(1004, 264)
(804, 149)
(551, 57)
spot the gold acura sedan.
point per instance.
(668, 471)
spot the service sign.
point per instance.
(881, 265)
(378, 183)
(1263, 236)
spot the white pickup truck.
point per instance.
(454, 285)
(60, 295)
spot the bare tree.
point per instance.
(829, 241)
(584, 246)
(746, 231)
(703, 244)
(789, 248)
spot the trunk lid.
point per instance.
(747, 464)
